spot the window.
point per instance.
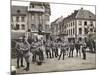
(22, 18)
(32, 17)
(17, 19)
(31, 6)
(94, 29)
(40, 27)
(47, 17)
(80, 22)
(73, 30)
(80, 30)
(91, 30)
(91, 23)
(23, 27)
(33, 27)
(69, 31)
(73, 23)
(17, 27)
(40, 17)
(80, 39)
(18, 11)
(85, 30)
(85, 23)
(67, 25)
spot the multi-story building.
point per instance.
(18, 21)
(56, 27)
(30, 19)
(79, 24)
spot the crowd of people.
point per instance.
(49, 49)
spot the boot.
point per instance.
(22, 63)
(17, 63)
(27, 68)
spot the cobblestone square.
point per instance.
(54, 65)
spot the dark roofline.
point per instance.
(72, 16)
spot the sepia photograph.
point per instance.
(52, 37)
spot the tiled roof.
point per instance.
(81, 14)
(21, 10)
(58, 20)
(72, 16)
(85, 14)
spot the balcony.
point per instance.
(40, 9)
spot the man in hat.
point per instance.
(19, 52)
(33, 49)
(26, 48)
(62, 52)
(77, 46)
(84, 50)
(47, 49)
(71, 45)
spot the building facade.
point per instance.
(79, 25)
(56, 27)
(30, 19)
(18, 21)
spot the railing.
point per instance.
(36, 9)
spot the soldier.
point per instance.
(41, 55)
(77, 46)
(67, 48)
(53, 49)
(33, 50)
(71, 45)
(56, 49)
(19, 52)
(84, 50)
(47, 49)
(26, 48)
(62, 52)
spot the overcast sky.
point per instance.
(58, 10)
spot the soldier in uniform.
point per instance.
(62, 52)
(33, 50)
(41, 55)
(26, 49)
(67, 48)
(19, 52)
(47, 49)
(56, 49)
(71, 45)
(53, 49)
(77, 46)
(84, 50)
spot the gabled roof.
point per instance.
(81, 14)
(58, 20)
(72, 16)
(21, 10)
(85, 14)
